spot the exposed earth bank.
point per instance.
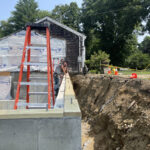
(117, 110)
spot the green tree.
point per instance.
(148, 24)
(6, 28)
(43, 13)
(138, 60)
(131, 44)
(95, 61)
(92, 43)
(25, 11)
(68, 14)
(145, 45)
(113, 23)
(1, 35)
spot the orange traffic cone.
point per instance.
(134, 76)
(109, 70)
(116, 71)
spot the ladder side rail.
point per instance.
(21, 67)
(48, 67)
(28, 68)
(53, 64)
(51, 68)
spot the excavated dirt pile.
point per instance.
(117, 109)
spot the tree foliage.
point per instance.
(43, 13)
(6, 28)
(138, 60)
(25, 11)
(68, 15)
(113, 23)
(95, 61)
(145, 45)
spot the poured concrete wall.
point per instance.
(40, 134)
(54, 129)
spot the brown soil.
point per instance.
(117, 111)
(87, 141)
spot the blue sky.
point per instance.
(7, 6)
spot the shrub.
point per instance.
(94, 63)
(93, 71)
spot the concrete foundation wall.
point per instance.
(42, 129)
(41, 134)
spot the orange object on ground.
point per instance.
(116, 71)
(134, 76)
(109, 71)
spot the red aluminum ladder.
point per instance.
(27, 50)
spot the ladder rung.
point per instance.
(36, 47)
(32, 104)
(41, 78)
(38, 93)
(34, 83)
(35, 105)
(35, 64)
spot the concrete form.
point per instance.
(55, 129)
